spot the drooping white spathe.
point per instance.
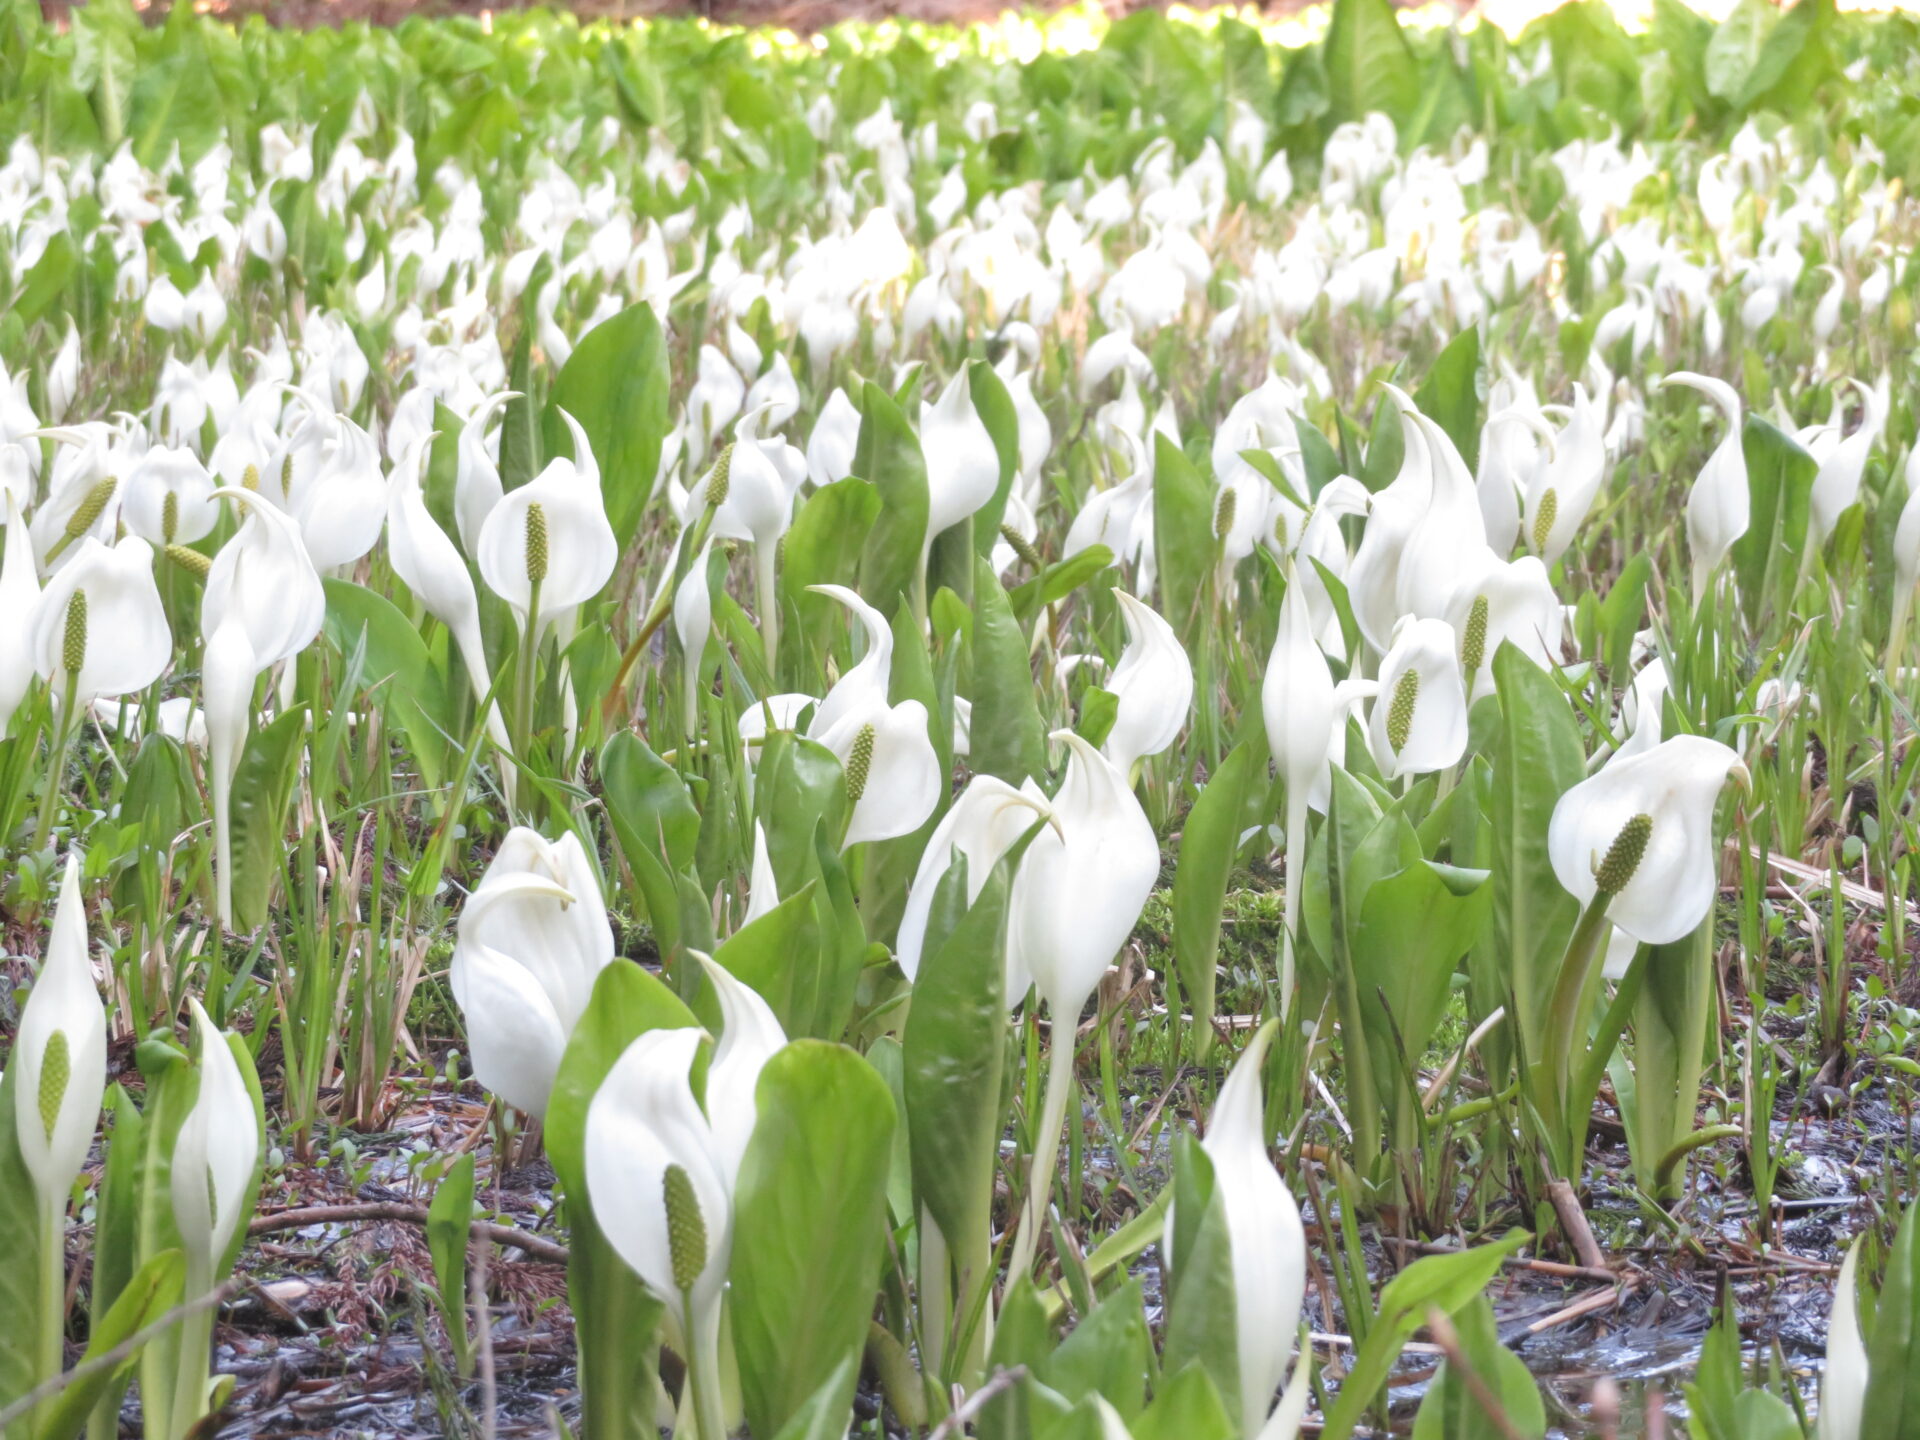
(262, 605)
(1720, 506)
(963, 467)
(533, 940)
(1843, 1384)
(1154, 686)
(19, 595)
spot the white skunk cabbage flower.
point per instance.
(1264, 1233)
(548, 545)
(1843, 1385)
(533, 940)
(214, 1158)
(1419, 719)
(59, 1062)
(1719, 507)
(99, 628)
(1640, 832)
(963, 467)
(980, 827)
(1154, 686)
(263, 605)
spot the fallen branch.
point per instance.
(1584, 1306)
(1573, 1220)
(502, 1235)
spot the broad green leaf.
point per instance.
(888, 457)
(809, 1228)
(449, 1223)
(152, 1290)
(1446, 1283)
(1107, 1354)
(1208, 842)
(1449, 395)
(1453, 1411)
(1008, 737)
(1767, 559)
(1369, 64)
(1202, 1315)
(262, 784)
(1183, 544)
(615, 385)
(20, 1276)
(954, 1051)
(1537, 758)
(1891, 1410)
(397, 668)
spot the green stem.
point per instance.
(523, 682)
(53, 1294)
(767, 597)
(1046, 1146)
(50, 800)
(703, 1372)
(1563, 1018)
(196, 1353)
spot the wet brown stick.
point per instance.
(1573, 1220)
(503, 1235)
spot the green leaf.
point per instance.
(1891, 1410)
(1413, 928)
(1446, 1283)
(1452, 1411)
(397, 668)
(47, 280)
(615, 384)
(954, 1050)
(20, 1276)
(823, 547)
(810, 1228)
(824, 1416)
(519, 419)
(1107, 1354)
(1187, 1406)
(994, 406)
(1008, 737)
(1766, 560)
(776, 954)
(449, 1224)
(888, 456)
(1183, 544)
(1057, 582)
(615, 1315)
(1208, 842)
(1369, 63)
(1537, 758)
(1202, 1313)
(1449, 395)
(154, 1289)
(262, 784)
